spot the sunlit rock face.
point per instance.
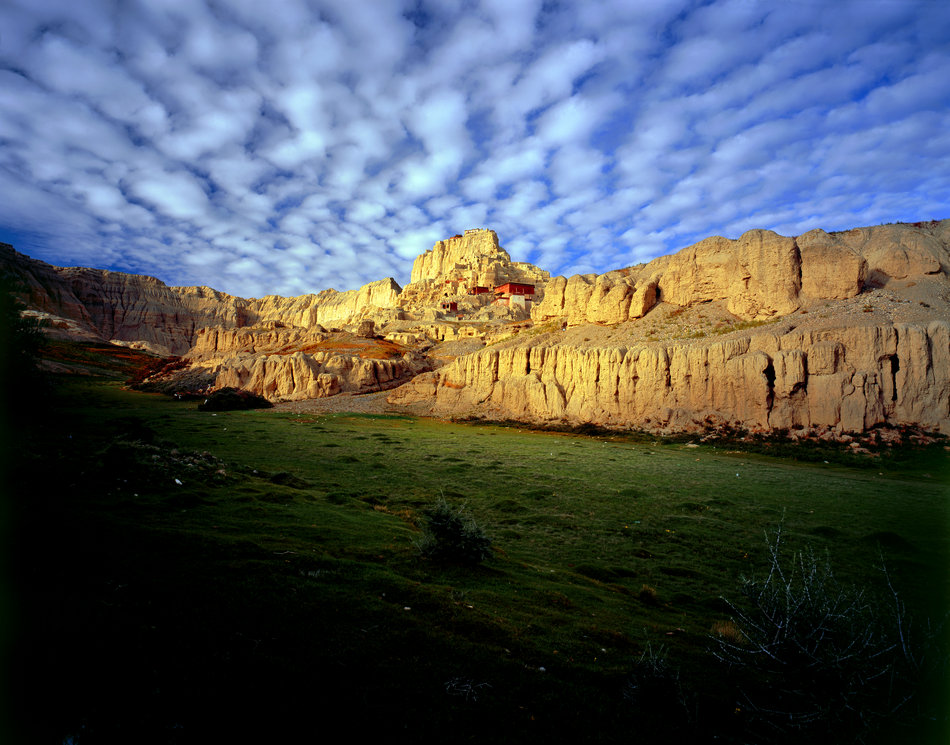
(130, 308)
(846, 379)
(293, 363)
(142, 310)
(475, 258)
(329, 307)
(857, 332)
(843, 371)
(453, 268)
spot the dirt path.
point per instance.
(364, 403)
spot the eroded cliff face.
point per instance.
(848, 366)
(858, 333)
(329, 307)
(453, 267)
(127, 308)
(609, 298)
(299, 376)
(760, 275)
(144, 311)
(293, 363)
(846, 379)
(476, 253)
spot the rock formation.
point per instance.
(131, 308)
(830, 332)
(609, 298)
(329, 307)
(292, 363)
(451, 270)
(848, 372)
(849, 379)
(760, 275)
(112, 306)
(474, 259)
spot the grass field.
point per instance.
(193, 577)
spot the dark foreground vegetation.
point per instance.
(180, 576)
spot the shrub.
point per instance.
(815, 656)
(452, 536)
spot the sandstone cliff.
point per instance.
(474, 257)
(292, 363)
(761, 274)
(609, 298)
(329, 307)
(131, 308)
(855, 335)
(863, 342)
(453, 267)
(847, 379)
(113, 306)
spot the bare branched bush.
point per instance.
(816, 655)
(657, 692)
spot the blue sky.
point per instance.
(291, 146)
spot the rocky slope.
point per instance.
(295, 363)
(886, 362)
(141, 310)
(845, 378)
(824, 332)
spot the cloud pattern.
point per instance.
(291, 147)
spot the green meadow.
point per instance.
(182, 576)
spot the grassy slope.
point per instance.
(277, 589)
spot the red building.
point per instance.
(514, 288)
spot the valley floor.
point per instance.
(185, 577)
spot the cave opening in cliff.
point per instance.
(895, 368)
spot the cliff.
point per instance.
(824, 332)
(863, 342)
(759, 275)
(453, 267)
(294, 363)
(113, 306)
(141, 310)
(845, 379)
(329, 307)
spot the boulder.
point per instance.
(233, 399)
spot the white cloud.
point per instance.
(330, 142)
(174, 195)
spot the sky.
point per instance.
(296, 145)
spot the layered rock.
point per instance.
(453, 267)
(609, 298)
(330, 307)
(126, 308)
(294, 363)
(883, 358)
(299, 376)
(847, 379)
(131, 308)
(759, 275)
(475, 258)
